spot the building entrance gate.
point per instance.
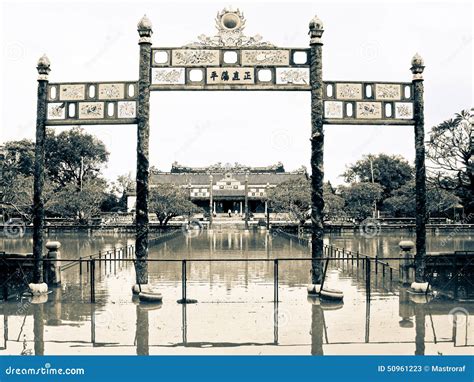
(230, 60)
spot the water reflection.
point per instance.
(236, 313)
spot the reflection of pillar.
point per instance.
(246, 201)
(317, 149)
(38, 200)
(417, 67)
(143, 137)
(405, 309)
(211, 210)
(420, 329)
(142, 331)
(38, 328)
(184, 324)
(317, 330)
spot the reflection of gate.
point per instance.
(230, 61)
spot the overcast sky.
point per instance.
(98, 41)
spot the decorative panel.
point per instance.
(299, 76)
(167, 76)
(111, 91)
(91, 110)
(127, 109)
(369, 110)
(404, 110)
(56, 110)
(390, 92)
(349, 91)
(276, 57)
(195, 57)
(333, 109)
(72, 92)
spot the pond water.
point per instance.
(236, 312)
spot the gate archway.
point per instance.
(230, 60)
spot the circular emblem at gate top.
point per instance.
(230, 20)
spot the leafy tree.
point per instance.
(359, 199)
(73, 156)
(168, 202)
(403, 202)
(293, 197)
(390, 171)
(81, 204)
(449, 154)
(19, 158)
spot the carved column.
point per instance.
(317, 149)
(417, 67)
(143, 133)
(38, 202)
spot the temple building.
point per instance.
(229, 185)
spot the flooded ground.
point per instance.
(236, 312)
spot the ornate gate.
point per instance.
(230, 60)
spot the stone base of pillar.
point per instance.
(418, 287)
(136, 289)
(38, 289)
(314, 289)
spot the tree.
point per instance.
(293, 197)
(19, 158)
(359, 199)
(168, 201)
(73, 156)
(81, 204)
(121, 186)
(449, 154)
(390, 171)
(438, 201)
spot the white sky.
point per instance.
(97, 41)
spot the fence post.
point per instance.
(100, 259)
(92, 274)
(183, 281)
(275, 280)
(367, 275)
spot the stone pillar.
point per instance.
(317, 149)
(53, 271)
(143, 132)
(406, 264)
(417, 67)
(246, 201)
(211, 210)
(38, 201)
(241, 211)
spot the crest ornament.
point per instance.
(230, 25)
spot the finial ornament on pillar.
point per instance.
(144, 28)
(316, 30)
(417, 67)
(43, 67)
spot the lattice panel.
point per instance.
(368, 102)
(92, 103)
